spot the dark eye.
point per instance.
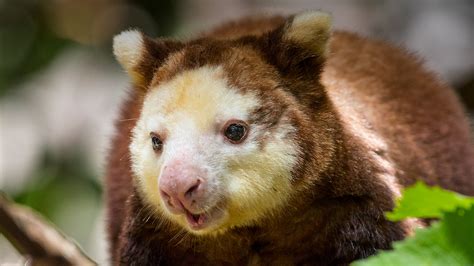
(236, 132)
(156, 142)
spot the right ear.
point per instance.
(140, 55)
(300, 44)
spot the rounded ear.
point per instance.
(301, 42)
(140, 55)
(309, 29)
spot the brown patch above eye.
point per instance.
(269, 113)
(269, 120)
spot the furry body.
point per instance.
(368, 121)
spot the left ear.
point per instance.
(141, 55)
(301, 41)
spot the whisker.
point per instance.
(123, 157)
(177, 235)
(182, 239)
(128, 119)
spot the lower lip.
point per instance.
(196, 223)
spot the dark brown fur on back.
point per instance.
(419, 119)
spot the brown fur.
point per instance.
(339, 216)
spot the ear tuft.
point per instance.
(310, 29)
(129, 49)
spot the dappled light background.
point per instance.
(60, 87)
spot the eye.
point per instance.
(156, 142)
(236, 131)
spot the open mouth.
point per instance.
(196, 221)
(204, 220)
(199, 220)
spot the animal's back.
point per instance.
(412, 121)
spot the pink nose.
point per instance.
(182, 187)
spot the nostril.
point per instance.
(165, 195)
(193, 188)
(167, 198)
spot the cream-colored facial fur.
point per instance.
(247, 181)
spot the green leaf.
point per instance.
(459, 229)
(427, 202)
(448, 242)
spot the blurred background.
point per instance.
(60, 87)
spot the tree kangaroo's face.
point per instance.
(202, 156)
(218, 135)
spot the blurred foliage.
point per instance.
(26, 42)
(32, 34)
(29, 39)
(57, 179)
(447, 242)
(163, 12)
(65, 191)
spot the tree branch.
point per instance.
(36, 239)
